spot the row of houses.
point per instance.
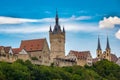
(37, 51)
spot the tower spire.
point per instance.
(63, 29)
(99, 46)
(50, 29)
(107, 46)
(57, 28)
(57, 18)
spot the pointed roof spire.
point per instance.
(50, 29)
(63, 29)
(107, 46)
(57, 18)
(57, 28)
(99, 46)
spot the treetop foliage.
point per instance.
(20, 70)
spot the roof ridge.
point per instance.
(35, 39)
(79, 51)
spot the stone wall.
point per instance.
(63, 62)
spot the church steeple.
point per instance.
(99, 46)
(107, 46)
(57, 40)
(57, 18)
(57, 28)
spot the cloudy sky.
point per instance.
(83, 20)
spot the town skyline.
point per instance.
(82, 25)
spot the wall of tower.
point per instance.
(99, 53)
(108, 54)
(57, 45)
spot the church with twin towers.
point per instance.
(103, 54)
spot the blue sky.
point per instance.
(83, 20)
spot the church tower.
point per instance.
(108, 50)
(99, 50)
(57, 40)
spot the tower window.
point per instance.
(98, 55)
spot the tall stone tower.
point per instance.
(108, 50)
(57, 40)
(99, 50)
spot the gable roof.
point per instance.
(114, 58)
(81, 55)
(1, 47)
(7, 49)
(118, 61)
(94, 60)
(32, 45)
(16, 50)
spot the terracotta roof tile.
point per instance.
(94, 60)
(32, 45)
(16, 50)
(1, 47)
(7, 49)
(114, 58)
(81, 55)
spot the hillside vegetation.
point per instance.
(19, 70)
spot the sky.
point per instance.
(83, 20)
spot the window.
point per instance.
(39, 56)
(98, 55)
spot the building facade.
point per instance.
(38, 50)
(82, 57)
(57, 40)
(105, 54)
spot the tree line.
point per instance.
(20, 70)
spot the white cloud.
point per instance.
(118, 34)
(72, 27)
(109, 22)
(73, 17)
(69, 24)
(47, 12)
(11, 20)
(25, 29)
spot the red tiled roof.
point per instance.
(94, 60)
(1, 47)
(81, 55)
(114, 58)
(32, 45)
(16, 50)
(7, 49)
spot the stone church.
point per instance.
(104, 54)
